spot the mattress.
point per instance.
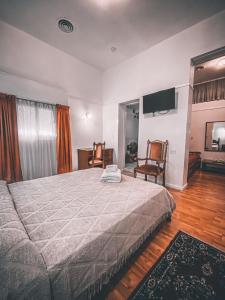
(85, 229)
(194, 162)
(193, 157)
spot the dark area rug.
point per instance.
(188, 269)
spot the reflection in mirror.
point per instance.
(215, 136)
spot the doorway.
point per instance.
(207, 130)
(128, 135)
(131, 136)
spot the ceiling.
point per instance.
(129, 25)
(212, 70)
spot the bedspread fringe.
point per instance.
(104, 279)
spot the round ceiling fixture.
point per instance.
(65, 25)
(199, 68)
(221, 62)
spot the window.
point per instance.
(37, 138)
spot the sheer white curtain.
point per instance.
(37, 138)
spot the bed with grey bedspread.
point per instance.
(64, 236)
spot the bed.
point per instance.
(65, 236)
(194, 162)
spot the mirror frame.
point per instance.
(205, 135)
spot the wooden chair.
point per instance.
(156, 152)
(98, 155)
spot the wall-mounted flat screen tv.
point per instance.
(163, 100)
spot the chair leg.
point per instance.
(164, 180)
(155, 179)
(146, 177)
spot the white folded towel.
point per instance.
(111, 168)
(111, 176)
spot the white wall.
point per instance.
(32, 69)
(85, 130)
(162, 66)
(202, 113)
(169, 127)
(30, 89)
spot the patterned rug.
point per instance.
(188, 269)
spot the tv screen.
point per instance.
(163, 100)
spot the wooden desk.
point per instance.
(85, 155)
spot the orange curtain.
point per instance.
(10, 168)
(64, 149)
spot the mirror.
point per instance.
(215, 136)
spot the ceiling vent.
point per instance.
(113, 49)
(65, 25)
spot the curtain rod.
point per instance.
(220, 78)
(36, 101)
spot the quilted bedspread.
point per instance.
(85, 229)
(23, 274)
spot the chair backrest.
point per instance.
(98, 150)
(156, 151)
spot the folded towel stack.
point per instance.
(111, 168)
(111, 174)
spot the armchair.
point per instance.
(98, 159)
(156, 152)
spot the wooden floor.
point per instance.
(200, 212)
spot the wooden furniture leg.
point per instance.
(164, 181)
(156, 152)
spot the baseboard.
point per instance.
(176, 187)
(169, 185)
